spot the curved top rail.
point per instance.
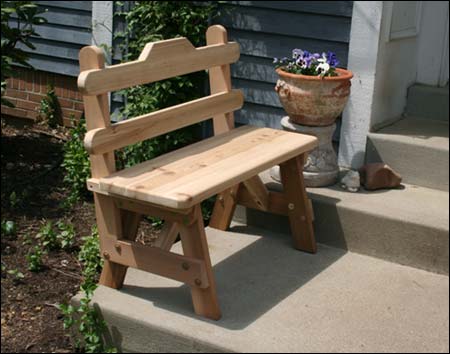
(158, 61)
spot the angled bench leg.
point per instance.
(193, 240)
(224, 208)
(118, 224)
(299, 207)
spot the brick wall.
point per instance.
(28, 87)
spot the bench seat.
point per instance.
(183, 178)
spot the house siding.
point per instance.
(268, 29)
(67, 31)
(264, 30)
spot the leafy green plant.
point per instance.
(17, 275)
(26, 17)
(91, 261)
(53, 238)
(66, 235)
(84, 318)
(49, 109)
(89, 325)
(76, 164)
(47, 237)
(9, 228)
(34, 258)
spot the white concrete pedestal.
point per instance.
(321, 168)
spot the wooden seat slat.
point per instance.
(189, 175)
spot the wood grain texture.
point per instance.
(96, 110)
(194, 243)
(108, 216)
(258, 192)
(276, 200)
(109, 226)
(130, 131)
(185, 177)
(157, 261)
(220, 79)
(299, 207)
(158, 61)
(224, 208)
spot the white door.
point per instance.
(432, 45)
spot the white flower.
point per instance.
(323, 66)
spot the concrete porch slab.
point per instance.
(277, 299)
(409, 226)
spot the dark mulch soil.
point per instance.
(30, 169)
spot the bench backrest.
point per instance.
(158, 61)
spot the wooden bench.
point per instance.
(172, 186)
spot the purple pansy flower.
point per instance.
(331, 59)
(307, 63)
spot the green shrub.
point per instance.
(47, 237)
(49, 109)
(84, 318)
(66, 235)
(34, 258)
(150, 21)
(54, 238)
(89, 325)
(76, 164)
(9, 228)
(91, 261)
(27, 15)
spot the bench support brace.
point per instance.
(293, 202)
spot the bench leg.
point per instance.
(193, 240)
(299, 210)
(118, 224)
(224, 209)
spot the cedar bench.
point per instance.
(173, 185)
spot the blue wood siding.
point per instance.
(67, 31)
(268, 29)
(264, 30)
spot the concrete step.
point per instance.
(409, 226)
(429, 102)
(417, 148)
(277, 299)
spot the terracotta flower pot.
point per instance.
(312, 100)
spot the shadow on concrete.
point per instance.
(250, 282)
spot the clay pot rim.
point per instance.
(343, 75)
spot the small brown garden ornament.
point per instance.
(379, 176)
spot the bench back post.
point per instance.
(96, 110)
(220, 79)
